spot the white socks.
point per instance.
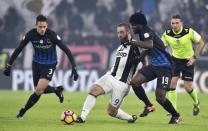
(87, 107)
(123, 115)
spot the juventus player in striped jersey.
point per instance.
(116, 81)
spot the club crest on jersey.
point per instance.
(146, 35)
(41, 41)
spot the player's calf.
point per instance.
(112, 111)
(120, 114)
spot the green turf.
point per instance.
(45, 116)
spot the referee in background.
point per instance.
(185, 45)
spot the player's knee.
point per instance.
(96, 91)
(39, 91)
(188, 87)
(112, 111)
(160, 98)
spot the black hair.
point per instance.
(176, 16)
(138, 18)
(41, 18)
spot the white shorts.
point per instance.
(116, 88)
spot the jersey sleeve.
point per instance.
(57, 40)
(195, 37)
(164, 39)
(21, 46)
(146, 34)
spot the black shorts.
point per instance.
(163, 75)
(181, 69)
(42, 71)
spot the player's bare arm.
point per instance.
(148, 44)
(198, 49)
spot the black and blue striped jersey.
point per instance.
(44, 47)
(157, 55)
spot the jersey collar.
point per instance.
(179, 31)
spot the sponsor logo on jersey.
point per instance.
(121, 54)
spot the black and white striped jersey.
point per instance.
(127, 60)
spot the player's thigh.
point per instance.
(103, 85)
(164, 76)
(188, 73)
(42, 85)
(144, 75)
(177, 69)
(47, 71)
(120, 90)
(36, 73)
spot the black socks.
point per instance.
(140, 93)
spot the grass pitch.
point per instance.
(45, 115)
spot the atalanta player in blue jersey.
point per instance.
(44, 42)
(160, 63)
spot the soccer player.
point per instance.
(115, 81)
(160, 63)
(181, 41)
(44, 42)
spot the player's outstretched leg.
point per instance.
(166, 104)
(31, 101)
(42, 84)
(87, 107)
(89, 103)
(120, 114)
(57, 90)
(140, 93)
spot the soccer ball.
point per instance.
(68, 117)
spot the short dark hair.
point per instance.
(176, 16)
(41, 18)
(126, 25)
(138, 18)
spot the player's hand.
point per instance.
(7, 70)
(191, 62)
(74, 74)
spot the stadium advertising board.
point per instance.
(92, 62)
